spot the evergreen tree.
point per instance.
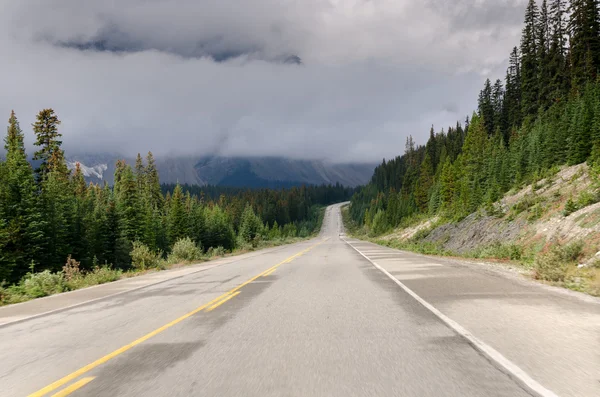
(128, 213)
(486, 107)
(22, 220)
(544, 77)
(557, 65)
(530, 61)
(47, 137)
(513, 91)
(153, 183)
(177, 225)
(584, 29)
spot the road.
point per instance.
(310, 319)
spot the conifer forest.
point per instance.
(50, 213)
(544, 113)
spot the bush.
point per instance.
(213, 252)
(41, 284)
(571, 252)
(142, 257)
(501, 251)
(185, 249)
(549, 266)
(71, 269)
(586, 198)
(570, 207)
(554, 264)
(104, 274)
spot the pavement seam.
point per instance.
(496, 358)
(87, 302)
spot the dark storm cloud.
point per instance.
(220, 76)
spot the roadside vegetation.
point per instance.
(493, 177)
(50, 213)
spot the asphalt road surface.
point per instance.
(310, 319)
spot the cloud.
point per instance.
(341, 80)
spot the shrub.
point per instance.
(549, 266)
(71, 269)
(571, 252)
(501, 251)
(41, 284)
(554, 264)
(213, 252)
(185, 249)
(142, 257)
(104, 274)
(586, 198)
(570, 207)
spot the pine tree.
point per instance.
(584, 29)
(557, 65)
(530, 61)
(544, 77)
(514, 91)
(47, 135)
(486, 106)
(152, 183)
(20, 207)
(177, 226)
(500, 115)
(128, 213)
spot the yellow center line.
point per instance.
(75, 386)
(100, 361)
(219, 303)
(269, 272)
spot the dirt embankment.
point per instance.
(560, 209)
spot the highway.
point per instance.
(315, 318)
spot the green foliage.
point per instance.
(585, 199)
(379, 225)
(545, 115)
(250, 227)
(215, 252)
(550, 267)
(554, 264)
(142, 257)
(41, 284)
(499, 251)
(185, 250)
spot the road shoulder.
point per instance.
(551, 335)
(18, 312)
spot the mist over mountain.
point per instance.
(272, 172)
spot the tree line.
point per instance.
(50, 212)
(544, 114)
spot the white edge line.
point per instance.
(495, 357)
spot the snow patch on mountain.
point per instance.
(96, 171)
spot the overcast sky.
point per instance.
(345, 80)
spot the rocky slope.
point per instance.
(561, 212)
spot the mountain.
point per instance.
(273, 172)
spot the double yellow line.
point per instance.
(210, 306)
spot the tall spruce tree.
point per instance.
(20, 208)
(584, 29)
(544, 76)
(486, 106)
(47, 138)
(530, 61)
(557, 59)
